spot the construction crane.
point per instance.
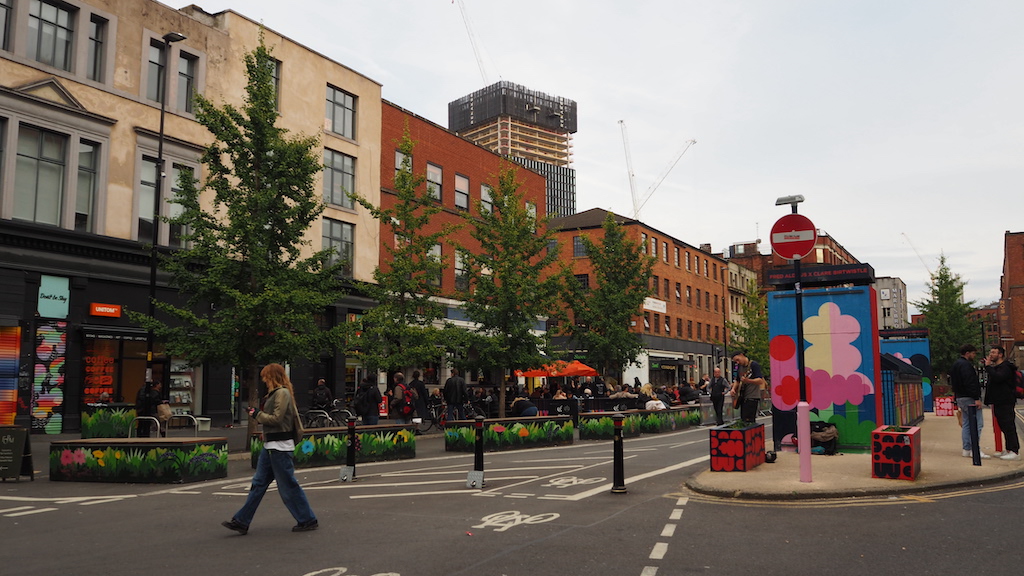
(930, 275)
(638, 203)
(473, 42)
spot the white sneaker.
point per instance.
(967, 454)
(1000, 453)
(1010, 456)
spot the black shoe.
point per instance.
(236, 526)
(306, 527)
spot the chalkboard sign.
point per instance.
(15, 453)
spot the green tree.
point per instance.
(401, 330)
(750, 333)
(602, 313)
(946, 317)
(513, 279)
(252, 298)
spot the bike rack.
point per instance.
(195, 423)
(131, 425)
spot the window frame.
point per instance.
(348, 105)
(329, 241)
(35, 36)
(486, 203)
(461, 193)
(331, 188)
(435, 182)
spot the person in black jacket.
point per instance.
(420, 396)
(367, 401)
(718, 387)
(455, 395)
(999, 394)
(145, 405)
(967, 391)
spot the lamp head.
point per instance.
(172, 37)
(794, 199)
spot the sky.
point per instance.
(900, 122)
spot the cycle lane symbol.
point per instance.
(570, 481)
(502, 521)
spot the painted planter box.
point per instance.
(945, 406)
(139, 460)
(737, 449)
(600, 426)
(896, 452)
(510, 433)
(329, 446)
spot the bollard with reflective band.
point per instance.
(348, 471)
(619, 472)
(475, 479)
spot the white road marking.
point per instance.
(35, 511)
(652, 473)
(659, 550)
(649, 571)
(437, 493)
(682, 501)
(18, 509)
(668, 531)
(676, 514)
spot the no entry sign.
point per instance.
(794, 236)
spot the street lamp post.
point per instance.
(169, 38)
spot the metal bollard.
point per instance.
(972, 419)
(475, 479)
(619, 472)
(348, 471)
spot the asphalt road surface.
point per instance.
(541, 512)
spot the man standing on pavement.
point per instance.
(748, 386)
(455, 395)
(999, 394)
(967, 391)
(718, 387)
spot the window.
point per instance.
(147, 192)
(552, 246)
(654, 246)
(707, 300)
(687, 260)
(97, 52)
(716, 332)
(679, 327)
(677, 256)
(698, 297)
(643, 242)
(486, 201)
(434, 182)
(705, 267)
(647, 321)
(688, 294)
(340, 236)
(275, 78)
(187, 65)
(461, 192)
(666, 288)
(531, 215)
(664, 252)
(716, 302)
(435, 254)
(657, 323)
(88, 169)
(689, 328)
(461, 272)
(50, 34)
(583, 280)
(679, 295)
(339, 178)
(400, 159)
(655, 284)
(5, 23)
(176, 231)
(39, 176)
(700, 331)
(714, 271)
(579, 250)
(155, 76)
(668, 326)
(341, 112)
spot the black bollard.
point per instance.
(348, 471)
(476, 477)
(619, 471)
(972, 421)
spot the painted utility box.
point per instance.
(841, 350)
(917, 353)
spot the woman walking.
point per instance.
(281, 427)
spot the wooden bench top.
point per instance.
(119, 441)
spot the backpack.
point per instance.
(321, 397)
(1018, 384)
(361, 401)
(402, 403)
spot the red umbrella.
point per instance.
(577, 368)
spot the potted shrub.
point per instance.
(896, 452)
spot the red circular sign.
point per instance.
(794, 236)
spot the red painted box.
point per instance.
(896, 452)
(737, 449)
(945, 406)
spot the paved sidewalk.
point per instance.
(849, 474)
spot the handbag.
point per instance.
(163, 412)
(297, 431)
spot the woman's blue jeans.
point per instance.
(276, 465)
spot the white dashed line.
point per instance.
(676, 514)
(649, 571)
(659, 550)
(668, 531)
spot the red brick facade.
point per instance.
(454, 156)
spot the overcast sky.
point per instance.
(900, 122)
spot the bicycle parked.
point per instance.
(338, 416)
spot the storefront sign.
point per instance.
(54, 295)
(108, 310)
